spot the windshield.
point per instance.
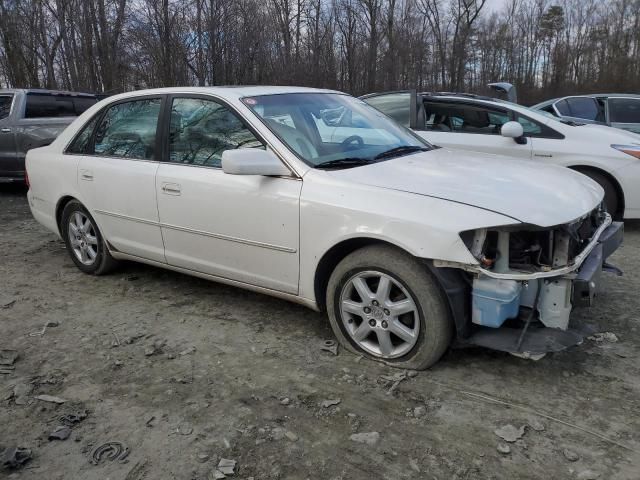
(326, 129)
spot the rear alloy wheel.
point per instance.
(385, 304)
(84, 241)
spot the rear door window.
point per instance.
(624, 110)
(128, 130)
(5, 105)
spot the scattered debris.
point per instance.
(504, 448)
(227, 467)
(395, 380)
(604, 337)
(185, 429)
(330, 403)
(291, 436)
(61, 432)
(109, 451)
(537, 425)
(570, 455)
(137, 472)
(330, 346)
(217, 475)
(50, 399)
(52, 324)
(370, 438)
(21, 392)
(8, 357)
(15, 457)
(412, 373)
(413, 463)
(203, 457)
(154, 348)
(40, 333)
(187, 351)
(149, 422)
(509, 433)
(74, 418)
(8, 303)
(285, 401)
(419, 411)
(588, 475)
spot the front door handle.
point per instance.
(5, 130)
(171, 188)
(86, 175)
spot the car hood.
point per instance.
(543, 195)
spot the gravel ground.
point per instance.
(185, 372)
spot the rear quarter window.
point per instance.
(44, 105)
(624, 110)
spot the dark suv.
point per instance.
(33, 118)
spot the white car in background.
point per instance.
(470, 122)
(315, 197)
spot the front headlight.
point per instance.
(633, 150)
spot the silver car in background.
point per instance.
(616, 110)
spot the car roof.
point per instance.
(235, 91)
(588, 95)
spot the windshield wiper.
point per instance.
(399, 151)
(345, 162)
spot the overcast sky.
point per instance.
(495, 4)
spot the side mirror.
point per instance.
(252, 161)
(514, 130)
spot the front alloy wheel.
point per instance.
(379, 314)
(385, 304)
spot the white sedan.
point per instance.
(470, 122)
(406, 246)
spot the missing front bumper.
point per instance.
(559, 296)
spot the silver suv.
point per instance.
(615, 110)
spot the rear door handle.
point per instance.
(5, 130)
(86, 175)
(171, 188)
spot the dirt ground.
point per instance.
(185, 372)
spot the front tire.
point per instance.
(611, 198)
(83, 239)
(385, 304)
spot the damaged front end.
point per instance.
(528, 280)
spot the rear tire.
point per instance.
(84, 241)
(383, 303)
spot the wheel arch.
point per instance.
(450, 280)
(584, 169)
(64, 200)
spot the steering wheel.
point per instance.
(353, 138)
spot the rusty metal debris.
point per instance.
(8, 357)
(61, 432)
(109, 451)
(330, 346)
(15, 457)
